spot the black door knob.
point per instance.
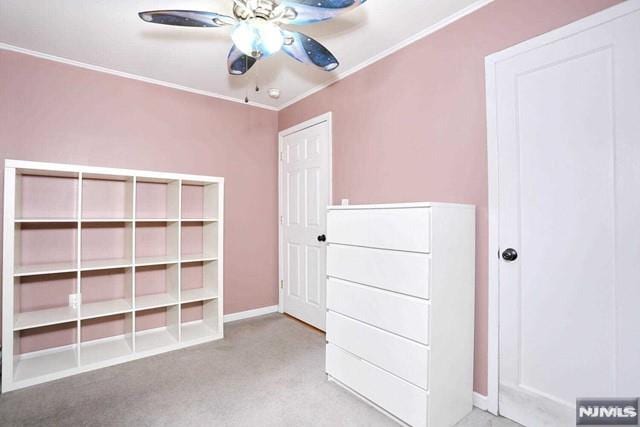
(510, 254)
(322, 238)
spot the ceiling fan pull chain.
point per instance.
(246, 96)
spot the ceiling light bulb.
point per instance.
(270, 35)
(244, 37)
(257, 37)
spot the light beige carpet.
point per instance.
(268, 371)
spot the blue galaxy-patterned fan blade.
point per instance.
(238, 62)
(186, 18)
(310, 11)
(306, 50)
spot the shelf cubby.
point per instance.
(41, 196)
(156, 328)
(107, 197)
(200, 201)
(106, 245)
(43, 300)
(156, 242)
(42, 248)
(45, 350)
(106, 292)
(200, 320)
(157, 199)
(199, 281)
(156, 286)
(106, 338)
(199, 241)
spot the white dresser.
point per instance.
(400, 307)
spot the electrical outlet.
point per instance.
(345, 202)
(74, 300)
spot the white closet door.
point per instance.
(568, 130)
(305, 196)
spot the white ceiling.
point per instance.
(109, 34)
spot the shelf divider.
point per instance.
(147, 302)
(105, 308)
(38, 269)
(105, 264)
(46, 317)
(198, 294)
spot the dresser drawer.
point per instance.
(403, 400)
(400, 356)
(403, 315)
(405, 229)
(404, 272)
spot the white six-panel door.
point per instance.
(304, 197)
(567, 126)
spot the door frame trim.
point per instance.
(491, 62)
(328, 118)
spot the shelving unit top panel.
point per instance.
(46, 172)
(151, 180)
(196, 182)
(107, 177)
(59, 169)
(47, 220)
(101, 220)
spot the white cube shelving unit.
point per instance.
(102, 266)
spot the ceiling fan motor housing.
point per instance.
(261, 9)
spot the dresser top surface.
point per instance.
(401, 206)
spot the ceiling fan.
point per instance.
(257, 31)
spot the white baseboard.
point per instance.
(480, 401)
(250, 313)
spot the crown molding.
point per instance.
(41, 55)
(339, 76)
(393, 49)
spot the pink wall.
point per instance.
(411, 127)
(398, 136)
(59, 113)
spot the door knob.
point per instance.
(322, 238)
(510, 255)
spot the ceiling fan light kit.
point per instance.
(257, 37)
(257, 31)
